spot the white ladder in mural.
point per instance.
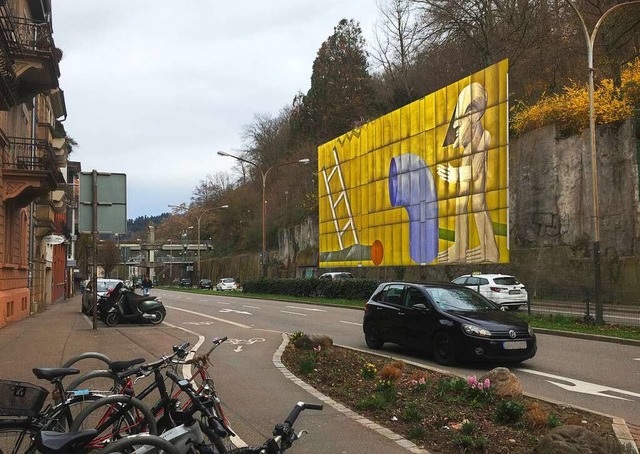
(342, 197)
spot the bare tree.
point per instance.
(399, 36)
(213, 187)
(109, 256)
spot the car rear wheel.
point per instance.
(444, 350)
(372, 337)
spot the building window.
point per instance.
(9, 309)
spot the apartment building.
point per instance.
(33, 176)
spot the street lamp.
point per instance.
(591, 38)
(264, 174)
(170, 261)
(185, 245)
(199, 218)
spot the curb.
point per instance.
(277, 356)
(596, 337)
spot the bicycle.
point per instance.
(23, 416)
(120, 372)
(184, 439)
(191, 435)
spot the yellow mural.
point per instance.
(426, 184)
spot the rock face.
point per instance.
(309, 341)
(571, 440)
(503, 382)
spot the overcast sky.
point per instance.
(154, 88)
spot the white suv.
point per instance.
(502, 289)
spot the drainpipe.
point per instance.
(32, 207)
(412, 186)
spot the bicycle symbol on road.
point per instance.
(241, 342)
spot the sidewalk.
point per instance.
(52, 337)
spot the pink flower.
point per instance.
(479, 386)
(472, 381)
(487, 383)
(317, 348)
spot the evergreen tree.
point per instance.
(341, 96)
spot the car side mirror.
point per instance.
(422, 308)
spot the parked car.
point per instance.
(205, 284)
(227, 283)
(102, 286)
(186, 282)
(502, 289)
(452, 322)
(336, 275)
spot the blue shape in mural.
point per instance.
(412, 186)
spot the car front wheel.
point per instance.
(372, 337)
(444, 350)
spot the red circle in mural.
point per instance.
(377, 252)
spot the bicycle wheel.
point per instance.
(115, 417)
(134, 443)
(16, 436)
(102, 382)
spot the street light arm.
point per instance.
(224, 153)
(606, 13)
(299, 161)
(585, 29)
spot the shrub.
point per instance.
(374, 402)
(508, 412)
(417, 433)
(412, 412)
(390, 372)
(293, 337)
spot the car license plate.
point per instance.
(514, 292)
(514, 345)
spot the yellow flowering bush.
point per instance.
(569, 110)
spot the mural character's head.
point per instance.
(472, 102)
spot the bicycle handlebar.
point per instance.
(300, 406)
(147, 368)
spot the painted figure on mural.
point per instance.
(470, 178)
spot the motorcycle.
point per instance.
(124, 305)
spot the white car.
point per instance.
(502, 289)
(336, 275)
(227, 283)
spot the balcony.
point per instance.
(44, 218)
(29, 171)
(29, 45)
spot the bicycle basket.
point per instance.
(20, 398)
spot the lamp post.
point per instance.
(170, 261)
(185, 245)
(199, 219)
(264, 174)
(591, 38)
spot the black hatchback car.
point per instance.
(450, 321)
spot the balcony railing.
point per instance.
(29, 37)
(29, 154)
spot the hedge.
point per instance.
(350, 289)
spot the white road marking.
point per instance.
(240, 325)
(222, 302)
(583, 386)
(186, 368)
(294, 313)
(251, 341)
(350, 323)
(251, 307)
(306, 309)
(238, 349)
(636, 359)
(233, 310)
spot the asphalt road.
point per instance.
(599, 376)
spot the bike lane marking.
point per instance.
(583, 387)
(350, 323)
(306, 309)
(240, 325)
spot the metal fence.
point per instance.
(618, 308)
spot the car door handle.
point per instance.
(401, 313)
